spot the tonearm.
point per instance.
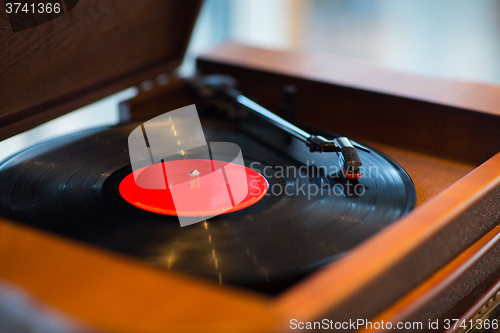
(223, 87)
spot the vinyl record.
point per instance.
(309, 216)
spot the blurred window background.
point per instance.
(457, 39)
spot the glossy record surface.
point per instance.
(69, 186)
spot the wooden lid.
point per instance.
(92, 51)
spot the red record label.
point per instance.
(202, 188)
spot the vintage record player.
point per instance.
(419, 245)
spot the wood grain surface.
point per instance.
(427, 292)
(361, 75)
(430, 174)
(96, 49)
(451, 120)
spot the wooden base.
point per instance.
(430, 174)
(437, 136)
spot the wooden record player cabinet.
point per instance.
(440, 261)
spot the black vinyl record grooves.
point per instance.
(69, 186)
